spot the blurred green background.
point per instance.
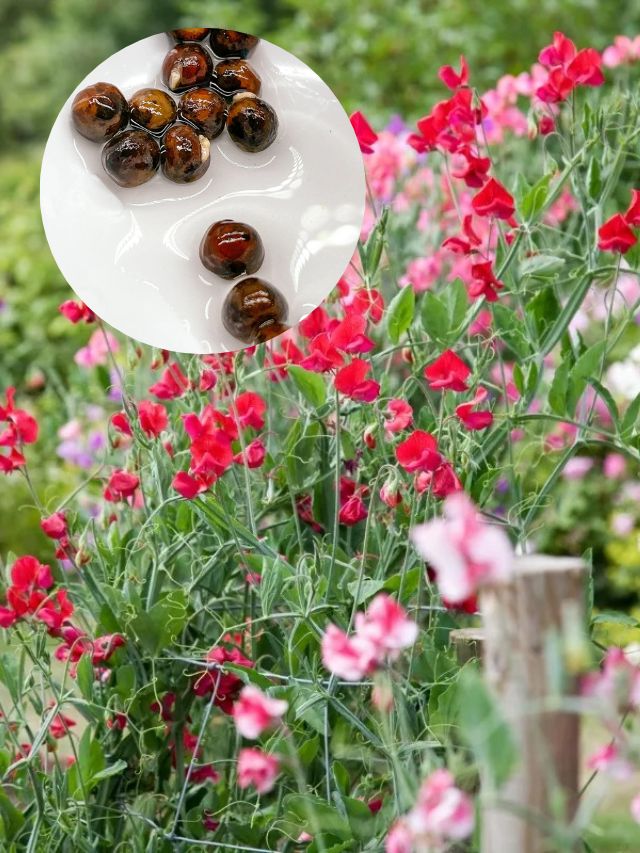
(379, 58)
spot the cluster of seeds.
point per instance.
(177, 137)
(217, 88)
(254, 311)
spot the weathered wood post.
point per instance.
(524, 622)
(467, 643)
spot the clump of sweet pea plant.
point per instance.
(234, 633)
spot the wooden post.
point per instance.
(525, 621)
(467, 643)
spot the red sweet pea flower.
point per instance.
(632, 216)
(568, 68)
(54, 526)
(442, 482)
(22, 427)
(463, 245)
(493, 200)
(323, 355)
(367, 137)
(55, 611)
(584, 69)
(349, 335)
(27, 573)
(103, 647)
(418, 452)
(188, 486)
(120, 422)
(76, 311)
(615, 235)
(60, 725)
(352, 510)
(351, 381)
(451, 78)
(473, 170)
(171, 385)
(314, 323)
(400, 416)
(121, 486)
(472, 418)
(368, 301)
(483, 282)
(227, 685)
(153, 418)
(560, 52)
(207, 380)
(448, 371)
(253, 455)
(250, 409)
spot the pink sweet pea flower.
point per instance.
(442, 811)
(386, 627)
(609, 760)
(634, 808)
(400, 416)
(257, 768)
(463, 550)
(254, 712)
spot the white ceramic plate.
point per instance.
(132, 254)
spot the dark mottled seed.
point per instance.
(185, 157)
(131, 158)
(236, 75)
(252, 123)
(193, 34)
(99, 111)
(251, 306)
(186, 65)
(204, 108)
(232, 43)
(268, 330)
(230, 249)
(152, 109)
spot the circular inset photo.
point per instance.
(202, 190)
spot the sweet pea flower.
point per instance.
(365, 134)
(634, 808)
(609, 760)
(418, 452)
(352, 382)
(448, 371)
(257, 768)
(463, 550)
(615, 235)
(254, 712)
(493, 200)
(400, 416)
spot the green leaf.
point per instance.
(615, 619)
(272, 579)
(84, 677)
(372, 251)
(589, 362)
(541, 266)
(543, 310)
(11, 819)
(484, 729)
(594, 180)
(313, 814)
(310, 385)
(532, 201)
(607, 398)
(400, 313)
(510, 328)
(435, 317)
(558, 389)
(629, 422)
(10, 675)
(91, 762)
(368, 588)
(157, 627)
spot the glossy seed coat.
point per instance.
(230, 249)
(252, 308)
(236, 75)
(152, 109)
(131, 158)
(185, 156)
(185, 65)
(205, 109)
(99, 111)
(193, 34)
(227, 43)
(252, 123)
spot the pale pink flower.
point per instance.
(254, 712)
(97, 349)
(463, 550)
(577, 468)
(399, 416)
(610, 761)
(399, 839)
(614, 466)
(442, 813)
(257, 768)
(422, 273)
(386, 627)
(622, 523)
(634, 808)
(617, 684)
(347, 657)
